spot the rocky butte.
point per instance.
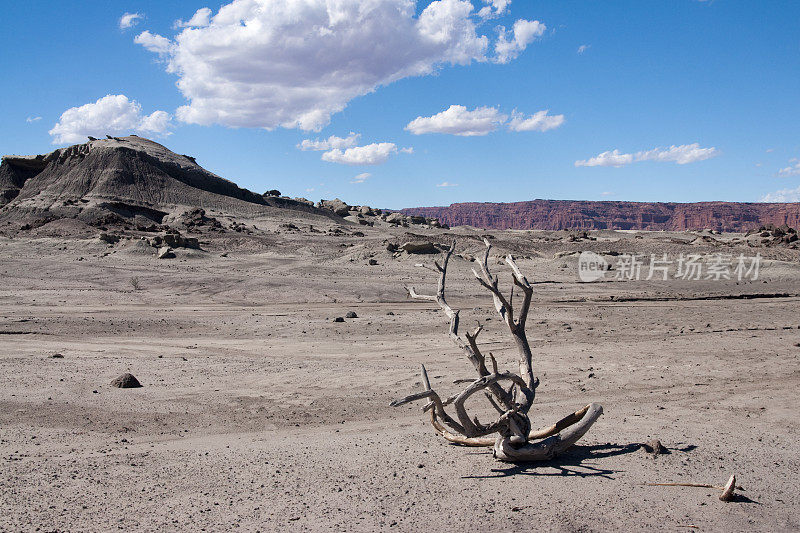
(135, 183)
(589, 215)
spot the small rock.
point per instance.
(56, 356)
(390, 313)
(655, 447)
(224, 254)
(339, 319)
(351, 314)
(165, 252)
(419, 248)
(395, 218)
(126, 381)
(373, 262)
(110, 239)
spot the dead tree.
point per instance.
(510, 435)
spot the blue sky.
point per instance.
(677, 100)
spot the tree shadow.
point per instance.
(571, 463)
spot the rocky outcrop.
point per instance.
(368, 216)
(586, 215)
(132, 179)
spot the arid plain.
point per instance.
(258, 411)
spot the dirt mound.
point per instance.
(126, 381)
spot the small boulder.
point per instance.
(339, 319)
(395, 218)
(336, 205)
(109, 238)
(165, 252)
(372, 262)
(351, 314)
(126, 381)
(655, 447)
(419, 248)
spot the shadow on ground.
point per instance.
(572, 463)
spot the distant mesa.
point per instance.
(611, 215)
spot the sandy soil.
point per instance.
(258, 412)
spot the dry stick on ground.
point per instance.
(728, 491)
(510, 435)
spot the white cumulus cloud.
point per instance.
(154, 43)
(682, 155)
(510, 44)
(792, 170)
(331, 142)
(290, 63)
(494, 9)
(611, 158)
(370, 154)
(113, 114)
(784, 195)
(129, 20)
(539, 121)
(458, 120)
(201, 17)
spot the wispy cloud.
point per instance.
(330, 143)
(361, 178)
(792, 170)
(682, 155)
(783, 195)
(447, 184)
(606, 193)
(539, 121)
(31, 120)
(129, 20)
(582, 48)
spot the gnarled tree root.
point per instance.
(553, 445)
(561, 425)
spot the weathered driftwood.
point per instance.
(510, 435)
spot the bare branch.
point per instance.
(514, 442)
(472, 429)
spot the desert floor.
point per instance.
(259, 412)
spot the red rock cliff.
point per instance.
(569, 214)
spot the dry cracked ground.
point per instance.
(258, 412)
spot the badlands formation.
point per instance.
(269, 335)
